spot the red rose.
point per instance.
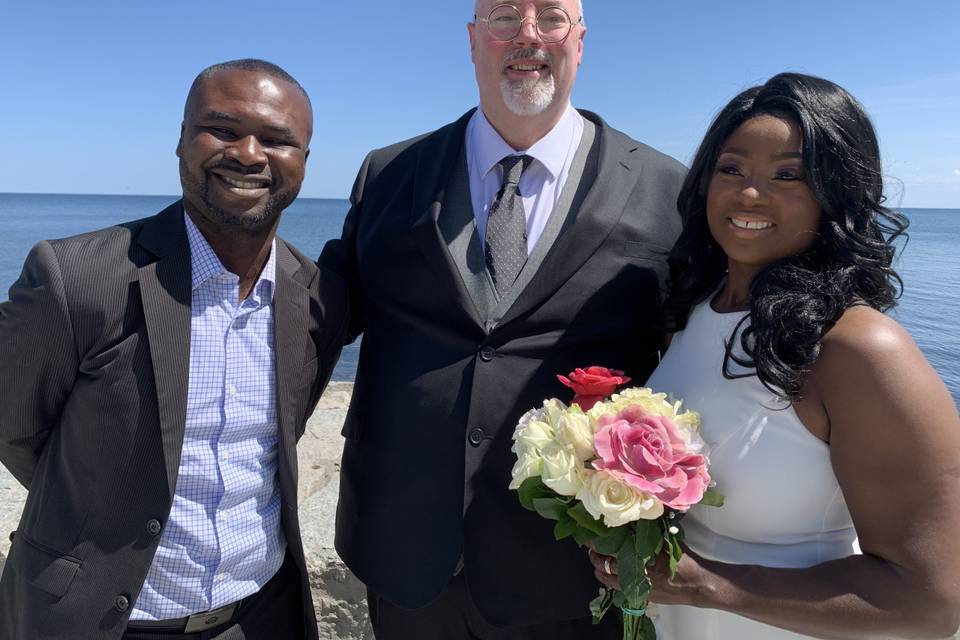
(593, 384)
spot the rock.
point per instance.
(339, 598)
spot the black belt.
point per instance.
(196, 622)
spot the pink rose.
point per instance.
(649, 454)
(593, 384)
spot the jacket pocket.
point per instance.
(47, 570)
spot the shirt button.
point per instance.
(121, 603)
(476, 436)
(232, 390)
(153, 527)
(487, 354)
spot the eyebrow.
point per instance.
(777, 156)
(219, 115)
(286, 131)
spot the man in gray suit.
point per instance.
(156, 376)
(521, 241)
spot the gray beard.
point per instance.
(528, 97)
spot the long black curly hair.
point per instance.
(795, 300)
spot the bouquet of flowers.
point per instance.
(615, 470)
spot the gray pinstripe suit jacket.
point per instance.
(94, 354)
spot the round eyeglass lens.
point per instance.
(504, 22)
(553, 24)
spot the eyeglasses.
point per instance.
(505, 23)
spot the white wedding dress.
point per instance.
(783, 506)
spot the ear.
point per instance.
(583, 34)
(472, 30)
(183, 126)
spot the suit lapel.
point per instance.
(588, 227)
(291, 307)
(165, 291)
(436, 160)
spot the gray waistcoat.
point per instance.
(459, 229)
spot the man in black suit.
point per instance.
(521, 241)
(156, 377)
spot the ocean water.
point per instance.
(929, 309)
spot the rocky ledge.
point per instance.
(340, 599)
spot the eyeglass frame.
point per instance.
(536, 23)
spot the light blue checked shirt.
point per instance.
(223, 540)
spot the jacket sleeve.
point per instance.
(38, 361)
(340, 254)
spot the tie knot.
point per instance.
(513, 168)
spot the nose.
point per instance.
(528, 31)
(247, 151)
(751, 192)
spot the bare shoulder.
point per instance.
(864, 336)
(871, 373)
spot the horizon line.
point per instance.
(179, 196)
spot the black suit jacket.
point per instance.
(94, 361)
(428, 435)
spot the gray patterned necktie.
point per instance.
(506, 245)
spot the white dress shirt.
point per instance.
(223, 540)
(541, 184)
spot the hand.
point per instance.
(604, 569)
(682, 588)
(685, 587)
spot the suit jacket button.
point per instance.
(121, 603)
(487, 354)
(476, 436)
(153, 527)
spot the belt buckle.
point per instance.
(209, 619)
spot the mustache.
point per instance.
(529, 53)
(236, 167)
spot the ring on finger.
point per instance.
(606, 566)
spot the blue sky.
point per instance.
(93, 91)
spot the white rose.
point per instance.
(574, 430)
(527, 465)
(533, 437)
(561, 471)
(603, 495)
(553, 409)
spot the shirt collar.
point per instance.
(205, 265)
(550, 150)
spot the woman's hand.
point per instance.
(604, 569)
(689, 586)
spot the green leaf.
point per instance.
(583, 536)
(609, 543)
(633, 575)
(564, 528)
(601, 604)
(531, 489)
(647, 630)
(712, 498)
(579, 513)
(551, 508)
(619, 600)
(675, 551)
(649, 538)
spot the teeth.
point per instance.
(527, 67)
(749, 224)
(242, 184)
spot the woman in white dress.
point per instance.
(826, 424)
